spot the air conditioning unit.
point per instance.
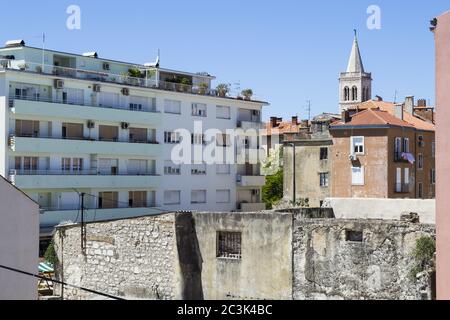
(125, 125)
(353, 157)
(126, 91)
(106, 66)
(91, 124)
(11, 103)
(96, 88)
(59, 84)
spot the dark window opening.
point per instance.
(354, 236)
(323, 153)
(229, 245)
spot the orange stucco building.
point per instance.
(383, 150)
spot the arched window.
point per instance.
(346, 94)
(354, 93)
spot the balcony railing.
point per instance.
(87, 207)
(90, 172)
(75, 102)
(13, 137)
(402, 188)
(99, 76)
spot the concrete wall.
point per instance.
(265, 270)
(385, 209)
(19, 243)
(442, 35)
(327, 267)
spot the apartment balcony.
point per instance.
(52, 145)
(250, 181)
(147, 80)
(250, 125)
(402, 188)
(251, 207)
(400, 157)
(250, 155)
(46, 108)
(55, 216)
(46, 179)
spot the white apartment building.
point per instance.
(73, 124)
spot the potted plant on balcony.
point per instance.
(134, 75)
(202, 88)
(184, 84)
(247, 93)
(223, 89)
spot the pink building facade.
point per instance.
(442, 38)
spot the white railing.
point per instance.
(86, 172)
(99, 76)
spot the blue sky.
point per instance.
(288, 52)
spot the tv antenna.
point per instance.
(308, 109)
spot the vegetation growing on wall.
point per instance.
(423, 256)
(272, 192)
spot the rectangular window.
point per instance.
(138, 103)
(223, 196)
(108, 166)
(420, 190)
(433, 149)
(223, 169)
(324, 180)
(137, 167)
(354, 236)
(223, 140)
(73, 96)
(323, 153)
(138, 135)
(172, 198)
(229, 245)
(77, 164)
(172, 106)
(421, 142)
(108, 133)
(172, 137)
(108, 99)
(433, 176)
(357, 145)
(223, 112)
(65, 164)
(197, 138)
(171, 169)
(30, 163)
(198, 169)
(27, 128)
(72, 130)
(420, 161)
(406, 145)
(358, 176)
(198, 196)
(137, 199)
(108, 200)
(398, 181)
(199, 110)
(406, 177)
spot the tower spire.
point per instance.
(355, 62)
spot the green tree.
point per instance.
(273, 190)
(50, 254)
(423, 256)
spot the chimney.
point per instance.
(295, 121)
(305, 123)
(273, 122)
(409, 104)
(346, 116)
(422, 103)
(378, 98)
(399, 111)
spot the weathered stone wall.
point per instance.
(327, 266)
(134, 259)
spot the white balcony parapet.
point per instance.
(251, 181)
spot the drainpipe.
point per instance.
(294, 191)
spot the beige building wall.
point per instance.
(307, 172)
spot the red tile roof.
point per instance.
(384, 113)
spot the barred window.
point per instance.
(229, 245)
